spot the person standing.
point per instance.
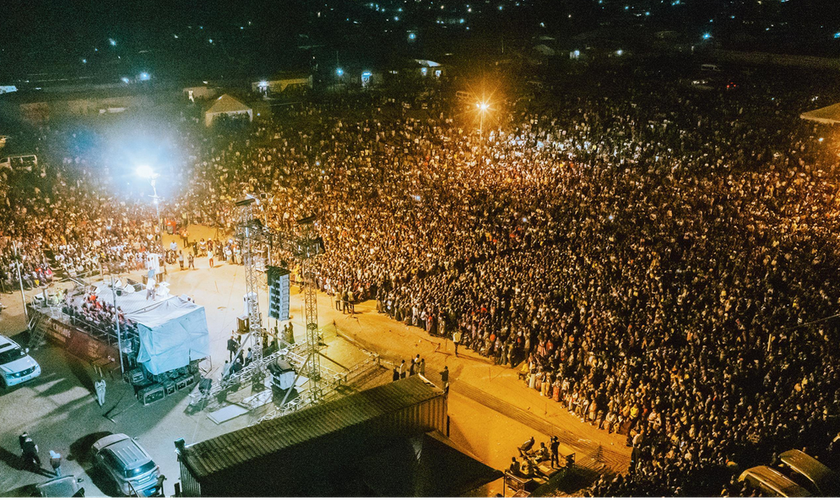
(29, 451)
(422, 369)
(192, 261)
(100, 387)
(456, 339)
(555, 447)
(55, 462)
(402, 369)
(225, 371)
(150, 289)
(210, 258)
(232, 346)
(444, 376)
(181, 259)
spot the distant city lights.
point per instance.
(112, 42)
(339, 72)
(144, 77)
(412, 36)
(125, 79)
(706, 36)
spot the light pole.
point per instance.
(482, 106)
(19, 262)
(117, 321)
(146, 172)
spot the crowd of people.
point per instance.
(661, 263)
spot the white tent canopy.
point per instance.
(829, 115)
(172, 333)
(227, 105)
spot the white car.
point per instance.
(16, 365)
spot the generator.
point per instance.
(150, 394)
(169, 387)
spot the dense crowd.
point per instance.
(661, 263)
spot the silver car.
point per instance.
(127, 464)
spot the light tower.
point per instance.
(250, 233)
(311, 247)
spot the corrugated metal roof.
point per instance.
(239, 447)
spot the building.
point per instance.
(283, 81)
(36, 107)
(226, 105)
(385, 441)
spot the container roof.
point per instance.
(262, 440)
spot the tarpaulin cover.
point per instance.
(172, 333)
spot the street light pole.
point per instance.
(117, 321)
(19, 262)
(157, 209)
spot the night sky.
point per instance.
(104, 39)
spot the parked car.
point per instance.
(128, 465)
(61, 487)
(16, 365)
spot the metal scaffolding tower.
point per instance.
(250, 232)
(311, 247)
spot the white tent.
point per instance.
(227, 105)
(173, 332)
(829, 114)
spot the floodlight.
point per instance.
(146, 172)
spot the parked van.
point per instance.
(807, 470)
(772, 482)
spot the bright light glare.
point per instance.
(339, 72)
(483, 106)
(145, 172)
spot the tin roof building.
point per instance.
(385, 441)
